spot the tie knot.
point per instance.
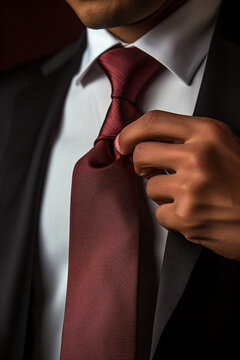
(128, 69)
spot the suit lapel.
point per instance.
(218, 98)
(179, 259)
(37, 109)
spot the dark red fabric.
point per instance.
(100, 316)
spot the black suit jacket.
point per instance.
(198, 306)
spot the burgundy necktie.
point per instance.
(101, 307)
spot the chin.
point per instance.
(98, 14)
(95, 23)
(101, 22)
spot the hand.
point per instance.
(200, 197)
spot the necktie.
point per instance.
(101, 306)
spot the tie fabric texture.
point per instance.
(101, 307)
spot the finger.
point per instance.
(156, 155)
(155, 125)
(162, 188)
(165, 216)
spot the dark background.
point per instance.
(30, 29)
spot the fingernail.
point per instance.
(116, 144)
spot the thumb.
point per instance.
(117, 145)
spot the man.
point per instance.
(196, 310)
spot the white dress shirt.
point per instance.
(181, 43)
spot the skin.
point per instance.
(200, 197)
(126, 19)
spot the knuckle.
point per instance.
(182, 215)
(185, 214)
(200, 181)
(153, 114)
(150, 188)
(213, 129)
(197, 160)
(139, 149)
(192, 160)
(138, 153)
(184, 186)
(138, 159)
(150, 119)
(192, 188)
(195, 185)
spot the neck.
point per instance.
(132, 32)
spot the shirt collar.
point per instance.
(98, 41)
(180, 42)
